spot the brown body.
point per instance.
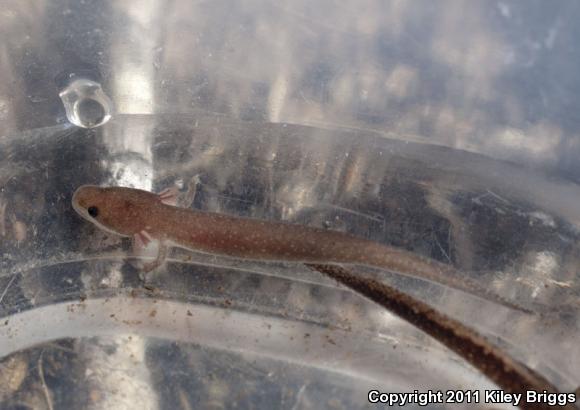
(128, 212)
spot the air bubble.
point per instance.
(86, 104)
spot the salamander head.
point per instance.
(122, 211)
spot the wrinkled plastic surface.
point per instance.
(446, 130)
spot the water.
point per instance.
(79, 330)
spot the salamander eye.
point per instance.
(93, 211)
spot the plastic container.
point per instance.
(354, 117)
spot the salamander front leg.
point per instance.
(169, 196)
(189, 195)
(141, 241)
(159, 260)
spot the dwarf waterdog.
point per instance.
(146, 216)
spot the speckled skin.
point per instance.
(127, 211)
